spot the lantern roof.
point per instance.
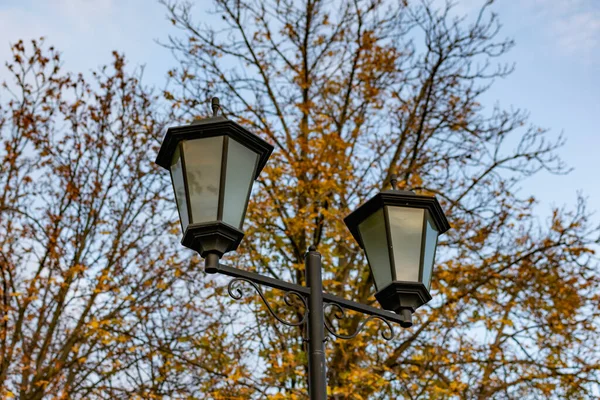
(217, 125)
(398, 198)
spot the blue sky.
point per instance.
(557, 58)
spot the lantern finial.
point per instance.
(215, 106)
(394, 181)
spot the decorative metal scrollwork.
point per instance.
(290, 298)
(340, 313)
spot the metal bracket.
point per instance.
(236, 293)
(301, 293)
(340, 313)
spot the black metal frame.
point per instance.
(212, 237)
(401, 297)
(314, 302)
(399, 198)
(218, 237)
(210, 127)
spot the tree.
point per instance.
(350, 92)
(96, 302)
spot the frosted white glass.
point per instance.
(241, 167)
(431, 236)
(374, 238)
(406, 229)
(179, 189)
(202, 159)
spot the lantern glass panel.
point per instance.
(431, 236)
(179, 189)
(202, 161)
(406, 231)
(373, 234)
(241, 167)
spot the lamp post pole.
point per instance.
(317, 383)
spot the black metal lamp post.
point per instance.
(213, 163)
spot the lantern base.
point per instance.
(400, 295)
(213, 237)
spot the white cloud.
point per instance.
(87, 31)
(579, 32)
(81, 14)
(573, 26)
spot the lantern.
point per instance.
(213, 163)
(398, 231)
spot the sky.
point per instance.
(557, 58)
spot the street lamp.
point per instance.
(398, 230)
(213, 163)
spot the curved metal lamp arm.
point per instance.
(340, 313)
(236, 293)
(302, 293)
